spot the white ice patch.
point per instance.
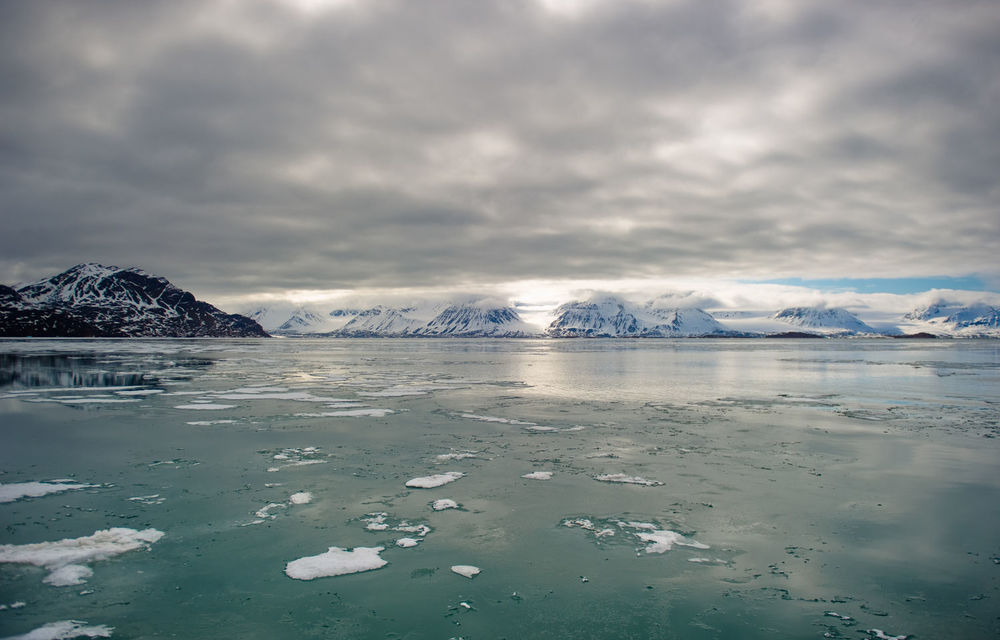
(444, 503)
(102, 545)
(663, 541)
(302, 497)
(65, 630)
(624, 479)
(265, 511)
(208, 423)
(97, 400)
(154, 498)
(393, 393)
(437, 480)
(296, 396)
(207, 406)
(140, 392)
(466, 570)
(18, 490)
(336, 562)
(460, 455)
(538, 475)
(69, 575)
(881, 635)
(348, 413)
(407, 542)
(473, 416)
(381, 521)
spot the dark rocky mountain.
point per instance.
(92, 300)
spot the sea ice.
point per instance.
(64, 630)
(624, 479)
(466, 570)
(444, 503)
(663, 541)
(437, 480)
(473, 416)
(881, 635)
(302, 497)
(54, 556)
(206, 406)
(68, 575)
(18, 490)
(538, 475)
(140, 392)
(348, 413)
(336, 562)
(461, 455)
(208, 423)
(407, 542)
(393, 393)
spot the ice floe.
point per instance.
(881, 635)
(437, 480)
(295, 457)
(208, 423)
(407, 542)
(538, 475)
(65, 559)
(444, 503)
(302, 497)
(382, 521)
(621, 478)
(13, 605)
(456, 455)
(656, 538)
(140, 392)
(480, 418)
(65, 630)
(18, 490)
(297, 396)
(348, 413)
(205, 406)
(154, 498)
(336, 562)
(466, 570)
(392, 393)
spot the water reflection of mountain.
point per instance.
(79, 371)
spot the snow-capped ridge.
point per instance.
(104, 301)
(609, 316)
(826, 320)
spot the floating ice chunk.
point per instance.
(393, 393)
(297, 396)
(64, 630)
(585, 523)
(68, 575)
(302, 497)
(348, 413)
(140, 392)
(461, 455)
(376, 521)
(206, 406)
(624, 479)
(97, 400)
(208, 423)
(444, 503)
(407, 542)
(265, 511)
(663, 541)
(437, 480)
(150, 499)
(336, 562)
(258, 390)
(466, 570)
(881, 635)
(18, 490)
(473, 416)
(538, 475)
(102, 545)
(834, 614)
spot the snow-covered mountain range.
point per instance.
(100, 301)
(609, 316)
(613, 316)
(481, 318)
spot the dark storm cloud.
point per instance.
(251, 146)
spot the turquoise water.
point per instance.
(841, 487)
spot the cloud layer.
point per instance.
(256, 146)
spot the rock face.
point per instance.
(611, 317)
(92, 300)
(834, 320)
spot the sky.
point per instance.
(310, 150)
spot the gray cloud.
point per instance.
(247, 147)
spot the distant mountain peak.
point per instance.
(824, 319)
(97, 300)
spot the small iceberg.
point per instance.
(336, 562)
(437, 480)
(466, 570)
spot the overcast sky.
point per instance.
(256, 147)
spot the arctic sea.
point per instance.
(602, 488)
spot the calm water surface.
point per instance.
(811, 489)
